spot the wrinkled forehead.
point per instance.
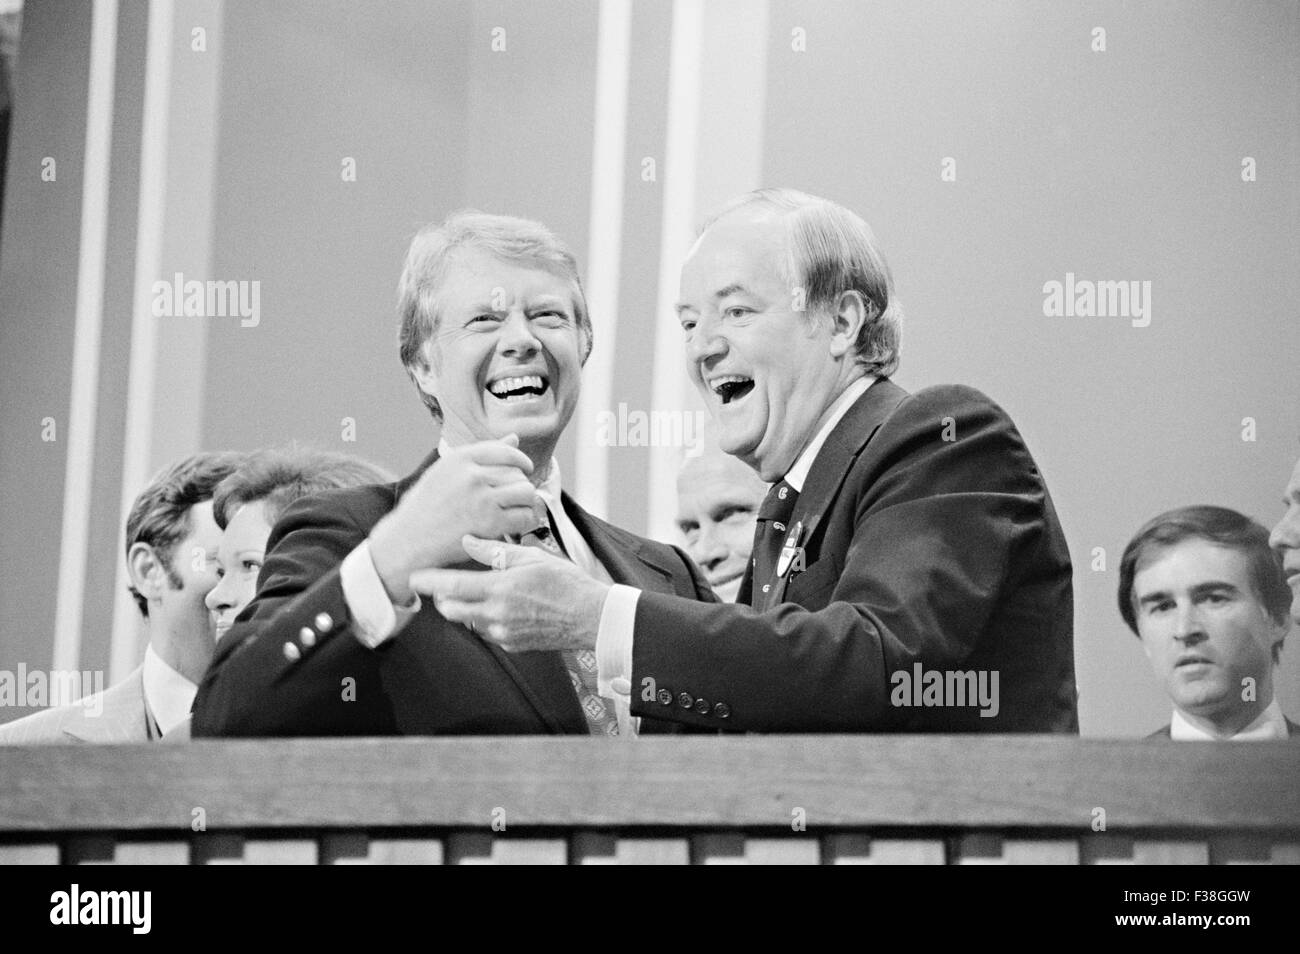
(474, 276)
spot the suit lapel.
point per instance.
(627, 559)
(830, 468)
(124, 718)
(541, 678)
(842, 448)
(544, 681)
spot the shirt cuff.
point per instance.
(614, 641)
(376, 619)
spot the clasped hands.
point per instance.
(463, 506)
(532, 600)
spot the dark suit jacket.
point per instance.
(1293, 731)
(917, 549)
(432, 678)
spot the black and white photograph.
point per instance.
(651, 432)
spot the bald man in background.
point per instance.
(718, 497)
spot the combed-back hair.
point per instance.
(1217, 525)
(831, 250)
(160, 516)
(514, 240)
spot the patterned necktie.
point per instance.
(769, 537)
(581, 663)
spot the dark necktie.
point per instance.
(769, 537)
(581, 663)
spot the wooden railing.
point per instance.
(797, 799)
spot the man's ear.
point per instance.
(148, 575)
(1280, 631)
(421, 370)
(852, 311)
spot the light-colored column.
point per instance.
(605, 246)
(79, 465)
(173, 235)
(714, 149)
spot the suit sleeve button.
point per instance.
(291, 652)
(665, 697)
(721, 710)
(684, 700)
(702, 706)
(307, 636)
(324, 622)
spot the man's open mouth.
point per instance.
(522, 387)
(731, 387)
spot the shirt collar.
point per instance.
(798, 474)
(549, 490)
(167, 693)
(1270, 724)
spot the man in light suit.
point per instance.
(493, 331)
(171, 546)
(909, 571)
(1201, 589)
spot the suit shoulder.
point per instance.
(41, 727)
(362, 506)
(952, 400)
(669, 557)
(126, 694)
(954, 414)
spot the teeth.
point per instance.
(514, 384)
(717, 383)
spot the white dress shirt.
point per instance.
(167, 693)
(376, 619)
(618, 619)
(1268, 726)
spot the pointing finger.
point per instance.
(498, 555)
(460, 585)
